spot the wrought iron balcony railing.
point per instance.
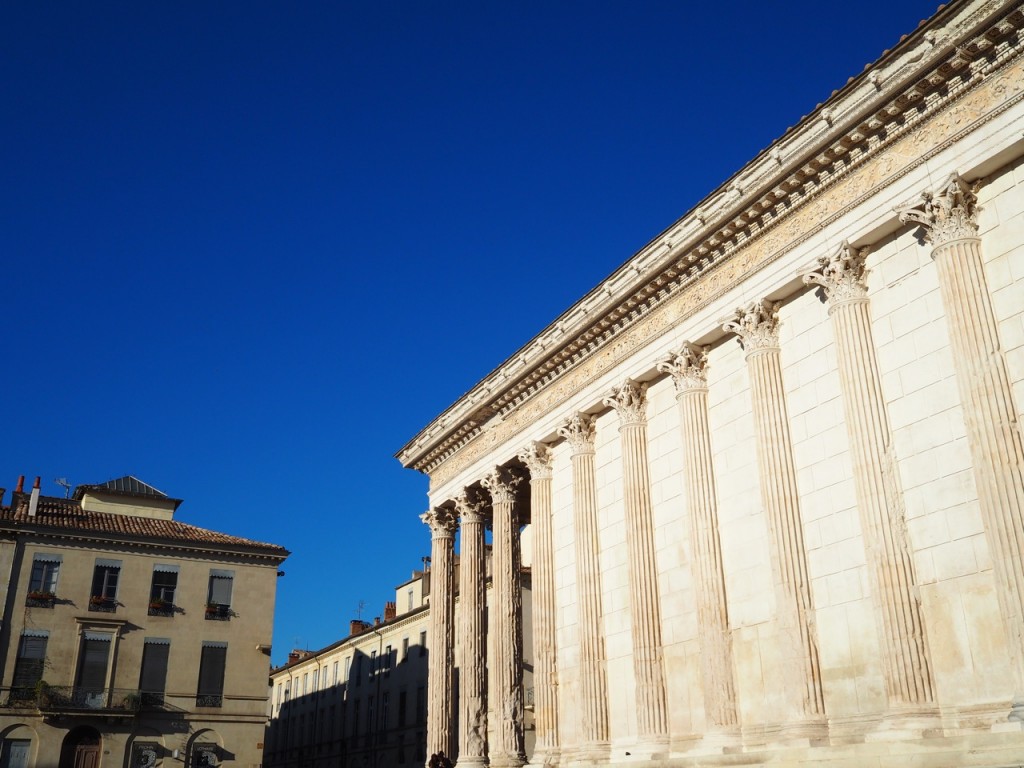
(64, 698)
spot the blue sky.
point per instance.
(250, 249)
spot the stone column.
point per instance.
(757, 327)
(506, 670)
(473, 634)
(440, 661)
(949, 219)
(630, 402)
(579, 432)
(537, 458)
(876, 480)
(688, 368)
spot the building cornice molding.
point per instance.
(936, 67)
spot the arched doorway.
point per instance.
(81, 748)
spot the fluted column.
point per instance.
(506, 678)
(757, 327)
(688, 368)
(876, 480)
(630, 402)
(472, 633)
(993, 432)
(537, 458)
(579, 432)
(440, 661)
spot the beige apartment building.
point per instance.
(130, 638)
(362, 702)
(773, 465)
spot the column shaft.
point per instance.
(757, 326)
(579, 431)
(545, 671)
(440, 661)
(629, 401)
(506, 671)
(876, 480)
(993, 432)
(688, 369)
(473, 636)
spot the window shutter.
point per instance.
(211, 669)
(220, 587)
(92, 674)
(154, 666)
(28, 667)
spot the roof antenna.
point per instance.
(359, 610)
(63, 483)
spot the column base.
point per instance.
(588, 754)
(545, 757)
(472, 762)
(507, 761)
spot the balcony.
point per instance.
(102, 604)
(161, 608)
(71, 698)
(39, 599)
(218, 612)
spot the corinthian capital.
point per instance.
(841, 275)
(579, 430)
(501, 484)
(630, 401)
(688, 367)
(757, 325)
(442, 522)
(469, 507)
(950, 214)
(537, 458)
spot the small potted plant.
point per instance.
(40, 598)
(97, 600)
(159, 604)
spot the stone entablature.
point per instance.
(941, 64)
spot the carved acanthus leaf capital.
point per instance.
(579, 430)
(470, 507)
(537, 458)
(442, 522)
(630, 401)
(950, 214)
(501, 483)
(842, 275)
(757, 325)
(688, 367)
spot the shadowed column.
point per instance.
(440, 666)
(506, 671)
(473, 634)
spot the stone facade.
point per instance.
(774, 461)
(130, 638)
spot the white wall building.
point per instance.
(773, 465)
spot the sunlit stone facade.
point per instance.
(773, 465)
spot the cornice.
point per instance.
(945, 57)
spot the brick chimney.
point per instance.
(389, 611)
(294, 656)
(357, 627)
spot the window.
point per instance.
(305, 683)
(384, 699)
(373, 663)
(105, 577)
(386, 661)
(45, 570)
(28, 666)
(402, 702)
(355, 719)
(165, 582)
(218, 599)
(335, 673)
(93, 661)
(369, 722)
(359, 671)
(210, 692)
(405, 649)
(348, 668)
(423, 643)
(153, 678)
(408, 597)
(421, 705)
(316, 680)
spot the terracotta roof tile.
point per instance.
(68, 515)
